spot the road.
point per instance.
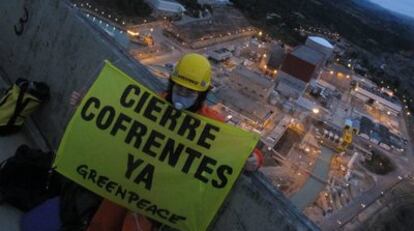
(178, 51)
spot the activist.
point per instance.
(188, 87)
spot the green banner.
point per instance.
(132, 147)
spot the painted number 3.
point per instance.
(19, 27)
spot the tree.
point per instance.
(134, 7)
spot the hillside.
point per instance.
(370, 27)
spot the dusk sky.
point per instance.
(405, 7)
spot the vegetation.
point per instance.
(138, 7)
(129, 8)
(397, 213)
(193, 7)
(369, 29)
(379, 164)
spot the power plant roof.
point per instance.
(321, 41)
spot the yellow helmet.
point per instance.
(193, 71)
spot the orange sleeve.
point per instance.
(259, 156)
(109, 217)
(211, 113)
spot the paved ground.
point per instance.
(313, 186)
(9, 216)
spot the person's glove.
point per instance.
(255, 161)
(76, 97)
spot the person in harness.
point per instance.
(188, 87)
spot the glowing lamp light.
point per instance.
(132, 33)
(315, 110)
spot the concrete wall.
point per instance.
(255, 205)
(60, 47)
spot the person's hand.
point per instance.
(251, 163)
(255, 161)
(76, 97)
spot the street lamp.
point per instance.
(269, 148)
(229, 117)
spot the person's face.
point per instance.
(182, 97)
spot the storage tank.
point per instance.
(320, 44)
(331, 136)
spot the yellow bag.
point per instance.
(19, 101)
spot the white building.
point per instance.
(380, 99)
(220, 55)
(169, 6)
(253, 84)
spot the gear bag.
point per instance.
(19, 101)
(77, 206)
(44, 217)
(26, 180)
